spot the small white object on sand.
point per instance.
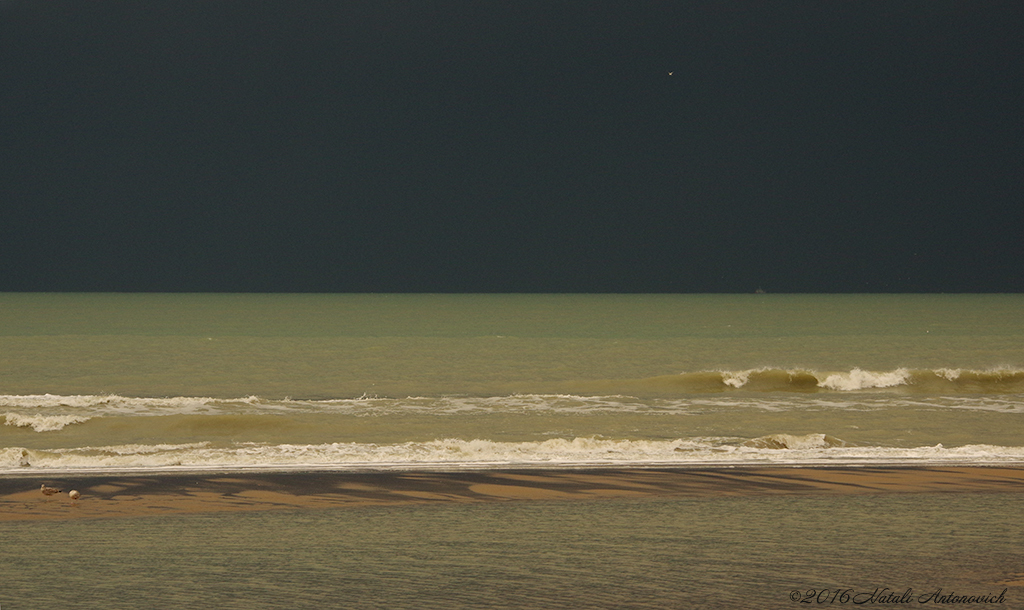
(74, 495)
(49, 491)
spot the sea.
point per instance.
(155, 383)
(158, 382)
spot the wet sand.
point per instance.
(164, 494)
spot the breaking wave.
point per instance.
(941, 380)
(478, 453)
(789, 441)
(43, 423)
(776, 390)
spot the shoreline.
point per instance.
(457, 467)
(138, 494)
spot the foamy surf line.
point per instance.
(156, 494)
(609, 393)
(477, 454)
(771, 379)
(448, 467)
(468, 468)
(481, 453)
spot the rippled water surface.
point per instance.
(150, 381)
(740, 552)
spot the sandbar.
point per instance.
(138, 495)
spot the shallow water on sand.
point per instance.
(732, 552)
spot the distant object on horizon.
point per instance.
(759, 291)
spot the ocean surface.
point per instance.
(149, 383)
(164, 382)
(726, 553)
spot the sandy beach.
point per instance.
(164, 494)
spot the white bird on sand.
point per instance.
(74, 495)
(49, 491)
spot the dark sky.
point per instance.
(587, 146)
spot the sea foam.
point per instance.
(857, 379)
(43, 423)
(780, 449)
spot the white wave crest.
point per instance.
(113, 404)
(43, 423)
(481, 453)
(858, 379)
(789, 441)
(54, 400)
(737, 379)
(14, 457)
(46, 412)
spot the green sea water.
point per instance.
(716, 553)
(164, 381)
(156, 383)
(333, 346)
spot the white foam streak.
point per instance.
(112, 404)
(737, 379)
(459, 453)
(43, 423)
(49, 413)
(857, 379)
